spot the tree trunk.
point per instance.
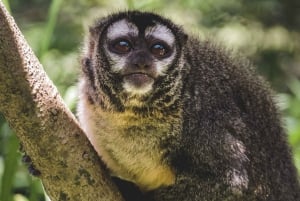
(70, 168)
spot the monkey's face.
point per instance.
(134, 56)
(139, 54)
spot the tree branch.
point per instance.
(70, 168)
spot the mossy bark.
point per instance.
(49, 132)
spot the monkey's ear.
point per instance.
(94, 31)
(92, 40)
(86, 66)
(184, 38)
(89, 48)
(86, 62)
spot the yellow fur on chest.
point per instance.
(130, 146)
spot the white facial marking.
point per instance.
(121, 28)
(162, 33)
(137, 91)
(162, 65)
(117, 62)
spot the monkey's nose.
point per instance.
(141, 60)
(141, 65)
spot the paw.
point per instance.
(236, 175)
(32, 170)
(237, 180)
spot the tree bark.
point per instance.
(49, 132)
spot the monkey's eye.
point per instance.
(122, 46)
(159, 50)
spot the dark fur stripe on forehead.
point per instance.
(141, 19)
(109, 83)
(142, 22)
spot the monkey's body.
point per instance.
(205, 128)
(141, 158)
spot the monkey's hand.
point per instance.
(192, 189)
(223, 179)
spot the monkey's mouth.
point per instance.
(138, 80)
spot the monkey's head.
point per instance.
(133, 58)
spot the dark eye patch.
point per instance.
(160, 49)
(121, 46)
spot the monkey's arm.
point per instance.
(185, 189)
(216, 171)
(188, 188)
(197, 180)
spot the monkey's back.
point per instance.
(232, 131)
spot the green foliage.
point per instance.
(10, 163)
(15, 183)
(265, 31)
(6, 3)
(52, 18)
(292, 112)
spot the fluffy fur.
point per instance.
(207, 129)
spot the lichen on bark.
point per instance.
(49, 132)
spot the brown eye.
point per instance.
(122, 46)
(159, 50)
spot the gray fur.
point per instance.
(209, 123)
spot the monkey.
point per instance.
(179, 118)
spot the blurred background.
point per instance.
(267, 32)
